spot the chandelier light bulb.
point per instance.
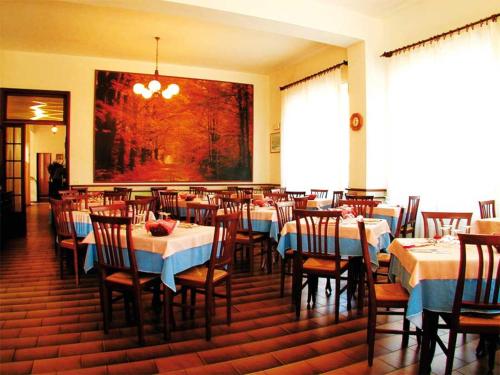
(147, 93)
(154, 85)
(54, 129)
(138, 88)
(174, 88)
(166, 94)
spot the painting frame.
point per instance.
(275, 142)
(240, 171)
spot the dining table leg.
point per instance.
(429, 328)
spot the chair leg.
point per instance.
(140, 315)
(184, 302)
(75, 266)
(126, 305)
(406, 328)
(282, 277)
(209, 300)
(193, 303)
(167, 312)
(337, 298)
(328, 287)
(228, 300)
(372, 321)
(491, 343)
(452, 341)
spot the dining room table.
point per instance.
(389, 213)
(187, 246)
(486, 226)
(428, 270)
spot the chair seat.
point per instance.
(390, 294)
(69, 243)
(383, 258)
(197, 276)
(125, 278)
(321, 265)
(409, 229)
(244, 237)
(487, 323)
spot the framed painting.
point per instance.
(275, 142)
(202, 134)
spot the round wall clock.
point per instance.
(356, 121)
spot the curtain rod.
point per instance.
(492, 18)
(313, 75)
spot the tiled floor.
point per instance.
(47, 325)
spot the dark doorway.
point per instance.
(43, 160)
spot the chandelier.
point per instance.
(154, 86)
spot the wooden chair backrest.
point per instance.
(362, 207)
(279, 197)
(320, 232)
(487, 209)
(241, 206)
(128, 192)
(62, 212)
(222, 254)
(337, 196)
(201, 214)
(487, 279)
(63, 193)
(359, 197)
(295, 194)
(113, 196)
(397, 230)
(138, 208)
(300, 202)
(320, 193)
(284, 212)
(412, 210)
(370, 282)
(169, 202)
(244, 192)
(198, 190)
(113, 239)
(117, 209)
(78, 202)
(455, 219)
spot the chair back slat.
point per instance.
(300, 203)
(62, 212)
(284, 213)
(222, 254)
(412, 210)
(169, 202)
(113, 239)
(201, 214)
(126, 191)
(337, 196)
(316, 228)
(244, 192)
(117, 209)
(111, 197)
(295, 194)
(359, 197)
(320, 193)
(279, 197)
(487, 209)
(487, 277)
(139, 209)
(361, 206)
(454, 219)
(241, 206)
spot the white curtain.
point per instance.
(315, 135)
(443, 106)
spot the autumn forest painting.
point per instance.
(203, 134)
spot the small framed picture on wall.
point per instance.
(275, 142)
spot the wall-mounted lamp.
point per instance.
(54, 129)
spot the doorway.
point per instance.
(43, 160)
(20, 109)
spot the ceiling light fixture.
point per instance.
(154, 86)
(54, 129)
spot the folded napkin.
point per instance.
(259, 202)
(161, 227)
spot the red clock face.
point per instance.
(356, 121)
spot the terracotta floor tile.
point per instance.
(255, 363)
(36, 353)
(221, 354)
(81, 348)
(294, 354)
(178, 362)
(15, 368)
(56, 364)
(133, 368)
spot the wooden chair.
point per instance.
(284, 212)
(117, 267)
(169, 204)
(359, 197)
(63, 193)
(295, 194)
(125, 190)
(279, 197)
(199, 191)
(117, 209)
(381, 298)
(78, 202)
(300, 203)
(140, 209)
(66, 239)
(455, 219)
(81, 190)
(155, 192)
(411, 216)
(266, 190)
(320, 193)
(337, 196)
(318, 255)
(203, 279)
(384, 259)
(483, 295)
(487, 209)
(201, 214)
(243, 192)
(361, 207)
(246, 238)
(111, 197)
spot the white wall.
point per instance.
(41, 139)
(76, 74)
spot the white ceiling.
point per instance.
(114, 30)
(373, 8)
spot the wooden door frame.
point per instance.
(4, 122)
(37, 175)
